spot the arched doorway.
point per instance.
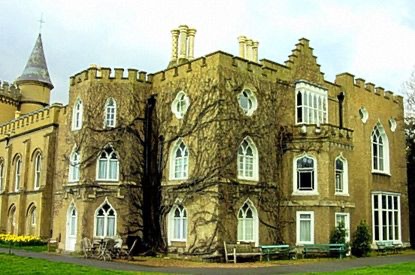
(71, 228)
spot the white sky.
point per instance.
(374, 40)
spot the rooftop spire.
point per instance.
(36, 68)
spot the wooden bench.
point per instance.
(278, 250)
(243, 250)
(386, 247)
(325, 249)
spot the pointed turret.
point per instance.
(35, 83)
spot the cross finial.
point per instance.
(41, 21)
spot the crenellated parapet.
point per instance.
(214, 60)
(9, 92)
(32, 121)
(116, 75)
(347, 79)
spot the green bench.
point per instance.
(242, 250)
(386, 247)
(278, 250)
(325, 250)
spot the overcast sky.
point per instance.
(374, 40)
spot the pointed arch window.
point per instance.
(305, 175)
(180, 161)
(108, 165)
(77, 114)
(380, 150)
(247, 223)
(31, 220)
(1, 175)
(247, 160)
(12, 220)
(37, 171)
(178, 224)
(110, 113)
(17, 174)
(74, 166)
(341, 176)
(105, 221)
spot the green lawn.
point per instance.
(10, 264)
(405, 268)
(35, 248)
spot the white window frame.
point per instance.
(242, 224)
(182, 222)
(384, 224)
(2, 168)
(382, 156)
(74, 167)
(110, 114)
(106, 218)
(33, 213)
(77, 115)
(181, 162)
(346, 223)
(393, 124)
(364, 114)
(314, 112)
(180, 104)
(250, 99)
(37, 171)
(243, 161)
(298, 227)
(300, 192)
(18, 174)
(344, 177)
(108, 161)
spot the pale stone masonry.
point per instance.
(248, 150)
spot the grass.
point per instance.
(403, 268)
(35, 248)
(11, 264)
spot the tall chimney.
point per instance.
(242, 46)
(174, 43)
(255, 51)
(183, 41)
(249, 49)
(191, 42)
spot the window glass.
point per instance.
(247, 101)
(386, 212)
(310, 104)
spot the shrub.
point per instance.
(339, 234)
(361, 240)
(20, 240)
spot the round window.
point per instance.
(247, 101)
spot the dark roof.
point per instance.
(36, 68)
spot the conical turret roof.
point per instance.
(36, 68)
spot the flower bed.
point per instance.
(17, 240)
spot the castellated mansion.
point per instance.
(208, 149)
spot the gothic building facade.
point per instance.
(215, 148)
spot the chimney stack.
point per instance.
(183, 40)
(248, 48)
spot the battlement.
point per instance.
(213, 60)
(32, 121)
(94, 73)
(361, 84)
(9, 90)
